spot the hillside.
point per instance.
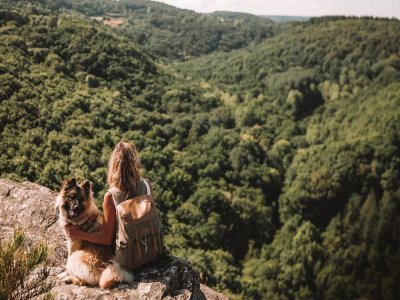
(282, 19)
(350, 52)
(275, 167)
(317, 105)
(168, 32)
(66, 87)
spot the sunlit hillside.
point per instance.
(275, 156)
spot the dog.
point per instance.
(86, 264)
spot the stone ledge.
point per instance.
(30, 207)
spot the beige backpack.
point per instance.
(139, 238)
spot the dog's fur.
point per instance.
(85, 263)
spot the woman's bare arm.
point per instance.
(103, 237)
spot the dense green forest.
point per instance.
(168, 32)
(275, 160)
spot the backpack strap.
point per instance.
(120, 196)
(147, 187)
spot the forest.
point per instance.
(273, 148)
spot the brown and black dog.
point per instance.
(85, 263)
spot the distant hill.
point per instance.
(234, 15)
(169, 32)
(282, 19)
(321, 49)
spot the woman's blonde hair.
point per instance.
(124, 168)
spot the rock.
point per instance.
(30, 207)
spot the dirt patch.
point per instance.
(114, 22)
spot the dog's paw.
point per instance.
(68, 279)
(62, 275)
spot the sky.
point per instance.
(376, 8)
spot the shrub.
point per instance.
(23, 270)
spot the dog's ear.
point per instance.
(69, 183)
(72, 181)
(87, 187)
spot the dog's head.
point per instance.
(74, 200)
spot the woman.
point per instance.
(123, 176)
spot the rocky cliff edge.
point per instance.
(30, 207)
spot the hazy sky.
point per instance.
(378, 8)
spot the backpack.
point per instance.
(139, 237)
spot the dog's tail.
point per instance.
(114, 274)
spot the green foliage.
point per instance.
(275, 167)
(24, 274)
(325, 120)
(286, 268)
(172, 33)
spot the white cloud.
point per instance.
(382, 8)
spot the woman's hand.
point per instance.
(103, 237)
(72, 231)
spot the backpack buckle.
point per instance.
(144, 243)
